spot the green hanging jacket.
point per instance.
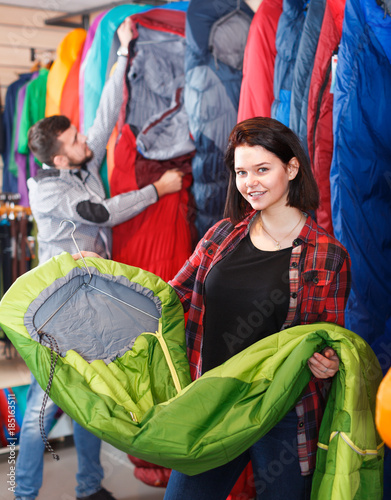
(123, 374)
(33, 108)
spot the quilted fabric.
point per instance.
(140, 403)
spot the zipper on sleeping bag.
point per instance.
(319, 102)
(166, 352)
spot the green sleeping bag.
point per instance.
(122, 372)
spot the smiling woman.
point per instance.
(266, 267)
(109, 339)
(263, 180)
(261, 174)
(267, 140)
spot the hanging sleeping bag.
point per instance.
(67, 53)
(83, 61)
(360, 169)
(117, 335)
(320, 107)
(383, 409)
(216, 34)
(154, 139)
(159, 239)
(256, 92)
(289, 31)
(303, 69)
(69, 104)
(10, 181)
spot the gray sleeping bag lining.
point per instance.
(99, 320)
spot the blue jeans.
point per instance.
(29, 464)
(275, 465)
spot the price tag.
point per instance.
(334, 61)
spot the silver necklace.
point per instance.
(278, 243)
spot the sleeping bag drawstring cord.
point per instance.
(53, 362)
(54, 349)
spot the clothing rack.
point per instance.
(67, 20)
(16, 242)
(17, 245)
(44, 56)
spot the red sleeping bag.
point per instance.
(161, 238)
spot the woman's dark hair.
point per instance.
(281, 141)
(43, 137)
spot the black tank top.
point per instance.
(246, 299)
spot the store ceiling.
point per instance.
(70, 6)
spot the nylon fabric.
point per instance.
(96, 62)
(9, 180)
(155, 106)
(67, 53)
(153, 112)
(289, 30)
(168, 18)
(30, 108)
(130, 377)
(303, 69)
(256, 93)
(359, 175)
(69, 104)
(159, 239)
(79, 312)
(87, 45)
(383, 409)
(18, 161)
(215, 418)
(95, 68)
(320, 108)
(211, 101)
(228, 37)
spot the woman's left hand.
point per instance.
(325, 364)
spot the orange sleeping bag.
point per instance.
(383, 409)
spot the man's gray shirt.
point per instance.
(78, 195)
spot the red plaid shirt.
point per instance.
(319, 276)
